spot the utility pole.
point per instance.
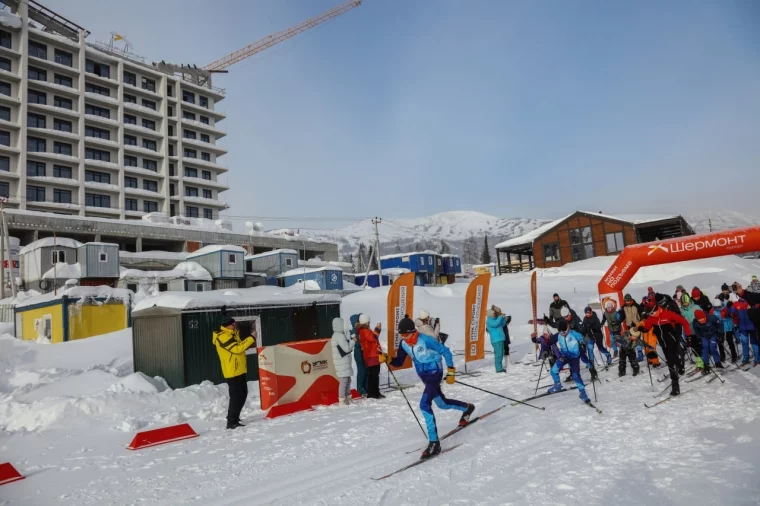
(7, 249)
(376, 221)
(2, 253)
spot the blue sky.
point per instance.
(512, 108)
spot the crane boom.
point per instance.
(271, 40)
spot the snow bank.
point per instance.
(139, 383)
(308, 270)
(183, 270)
(64, 271)
(48, 242)
(82, 292)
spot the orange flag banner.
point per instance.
(475, 317)
(400, 303)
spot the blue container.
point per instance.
(272, 263)
(327, 278)
(452, 264)
(372, 280)
(415, 262)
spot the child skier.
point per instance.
(628, 344)
(426, 353)
(592, 329)
(631, 315)
(706, 328)
(688, 308)
(720, 311)
(568, 351)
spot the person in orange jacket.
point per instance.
(373, 355)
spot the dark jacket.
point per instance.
(711, 328)
(575, 322)
(671, 304)
(703, 302)
(556, 307)
(613, 322)
(592, 326)
(751, 297)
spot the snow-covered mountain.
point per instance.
(456, 226)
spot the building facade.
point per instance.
(86, 131)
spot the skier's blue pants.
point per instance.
(613, 340)
(743, 336)
(639, 353)
(710, 347)
(575, 371)
(498, 355)
(432, 394)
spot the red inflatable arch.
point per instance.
(693, 247)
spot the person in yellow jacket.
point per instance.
(231, 350)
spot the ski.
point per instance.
(692, 380)
(545, 394)
(458, 428)
(417, 463)
(666, 400)
(588, 403)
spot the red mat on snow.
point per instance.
(8, 474)
(161, 436)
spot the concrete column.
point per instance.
(180, 150)
(97, 238)
(22, 95)
(35, 235)
(164, 148)
(120, 137)
(80, 104)
(138, 244)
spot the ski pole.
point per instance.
(499, 395)
(713, 370)
(650, 372)
(593, 385)
(407, 403)
(539, 375)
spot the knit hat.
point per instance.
(423, 315)
(627, 297)
(685, 299)
(490, 313)
(496, 309)
(700, 316)
(634, 332)
(696, 293)
(754, 278)
(227, 321)
(680, 288)
(406, 325)
(661, 300)
(556, 295)
(562, 326)
(588, 310)
(363, 319)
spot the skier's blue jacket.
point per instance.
(570, 345)
(426, 353)
(495, 327)
(711, 328)
(727, 321)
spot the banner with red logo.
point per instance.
(400, 303)
(475, 317)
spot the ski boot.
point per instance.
(719, 365)
(705, 370)
(584, 397)
(433, 448)
(466, 415)
(554, 389)
(675, 389)
(621, 374)
(636, 371)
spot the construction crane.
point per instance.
(271, 40)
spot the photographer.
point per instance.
(231, 350)
(428, 326)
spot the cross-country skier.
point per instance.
(628, 343)
(688, 308)
(569, 316)
(507, 340)
(592, 329)
(555, 307)
(426, 355)
(746, 331)
(495, 323)
(631, 313)
(665, 325)
(706, 327)
(720, 311)
(612, 318)
(568, 351)
(701, 300)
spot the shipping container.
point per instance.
(452, 264)
(272, 263)
(37, 258)
(328, 278)
(98, 260)
(221, 261)
(415, 262)
(228, 284)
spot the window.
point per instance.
(5, 39)
(149, 123)
(171, 130)
(130, 99)
(62, 171)
(130, 161)
(99, 69)
(36, 120)
(36, 144)
(150, 185)
(288, 262)
(199, 287)
(172, 170)
(150, 104)
(37, 49)
(615, 242)
(58, 256)
(62, 196)
(148, 84)
(150, 206)
(163, 287)
(99, 133)
(5, 64)
(203, 101)
(97, 154)
(188, 134)
(96, 200)
(189, 172)
(205, 138)
(172, 210)
(62, 125)
(191, 153)
(205, 157)
(171, 110)
(63, 80)
(130, 182)
(130, 120)
(171, 150)
(97, 177)
(551, 252)
(207, 194)
(169, 90)
(102, 256)
(231, 258)
(150, 165)
(94, 88)
(188, 97)
(5, 189)
(5, 88)
(191, 212)
(35, 169)
(97, 111)
(208, 214)
(5, 164)
(204, 120)
(62, 148)
(63, 103)
(149, 144)
(581, 243)
(185, 115)
(5, 113)
(130, 78)
(130, 140)
(190, 191)
(130, 204)
(172, 191)
(37, 97)
(35, 193)
(207, 175)
(64, 57)
(36, 74)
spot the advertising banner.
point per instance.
(475, 317)
(400, 303)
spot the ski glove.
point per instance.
(383, 358)
(450, 376)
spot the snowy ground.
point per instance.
(68, 411)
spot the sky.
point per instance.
(512, 108)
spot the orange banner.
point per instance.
(400, 303)
(475, 317)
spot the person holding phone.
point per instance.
(231, 351)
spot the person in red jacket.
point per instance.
(664, 323)
(373, 355)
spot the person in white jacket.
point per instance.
(422, 323)
(342, 351)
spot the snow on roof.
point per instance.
(390, 271)
(10, 20)
(100, 292)
(48, 242)
(260, 295)
(638, 219)
(307, 270)
(216, 248)
(273, 252)
(399, 255)
(532, 235)
(109, 244)
(157, 255)
(64, 271)
(183, 270)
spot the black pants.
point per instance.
(729, 336)
(373, 381)
(630, 354)
(238, 388)
(506, 347)
(671, 347)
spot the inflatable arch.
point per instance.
(693, 247)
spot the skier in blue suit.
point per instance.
(426, 353)
(568, 351)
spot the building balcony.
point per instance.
(216, 93)
(53, 156)
(204, 127)
(94, 211)
(206, 202)
(60, 111)
(51, 132)
(108, 187)
(197, 162)
(145, 132)
(199, 109)
(143, 151)
(97, 97)
(7, 99)
(136, 214)
(11, 76)
(89, 162)
(4, 51)
(94, 118)
(205, 182)
(138, 90)
(9, 150)
(56, 88)
(51, 205)
(56, 39)
(58, 181)
(50, 64)
(97, 141)
(101, 80)
(142, 172)
(9, 173)
(205, 145)
(9, 124)
(145, 111)
(144, 193)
